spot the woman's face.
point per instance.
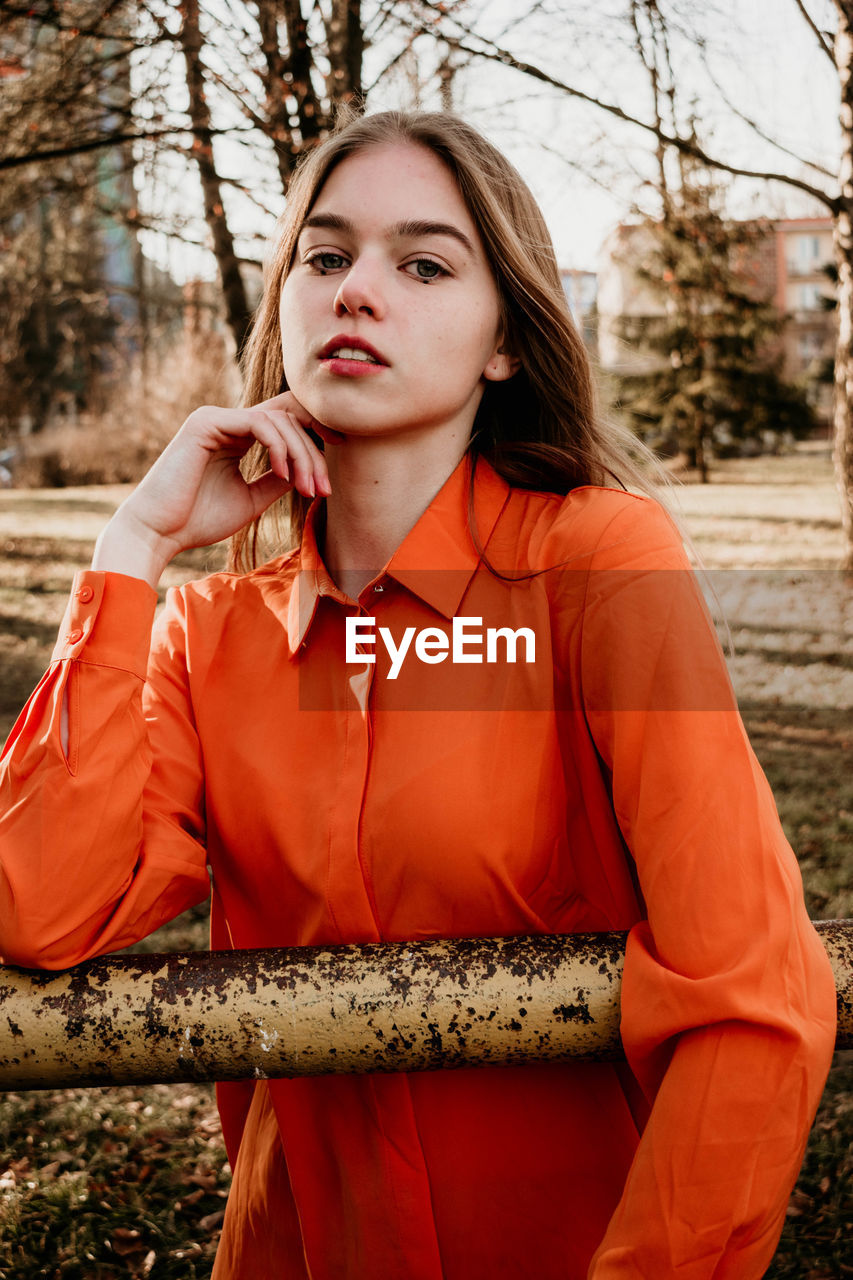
(390, 314)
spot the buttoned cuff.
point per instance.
(108, 622)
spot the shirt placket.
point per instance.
(351, 897)
(406, 1243)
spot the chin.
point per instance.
(332, 414)
(350, 424)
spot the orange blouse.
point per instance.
(605, 784)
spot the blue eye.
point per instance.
(325, 261)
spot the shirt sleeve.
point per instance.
(728, 999)
(103, 842)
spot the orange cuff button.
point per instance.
(85, 594)
(75, 635)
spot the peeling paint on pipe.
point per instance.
(837, 937)
(232, 1015)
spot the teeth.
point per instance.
(353, 353)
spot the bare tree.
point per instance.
(835, 194)
(237, 309)
(70, 67)
(66, 273)
(293, 114)
(68, 118)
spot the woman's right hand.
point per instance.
(195, 494)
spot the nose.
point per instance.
(360, 291)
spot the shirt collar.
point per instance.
(435, 561)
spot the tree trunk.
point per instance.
(312, 121)
(843, 413)
(273, 74)
(446, 72)
(234, 293)
(345, 36)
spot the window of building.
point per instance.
(809, 297)
(808, 252)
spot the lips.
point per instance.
(350, 348)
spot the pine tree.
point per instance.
(714, 351)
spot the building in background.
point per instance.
(804, 292)
(581, 290)
(79, 302)
(791, 267)
(625, 295)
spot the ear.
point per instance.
(502, 365)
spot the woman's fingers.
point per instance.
(287, 401)
(196, 494)
(293, 454)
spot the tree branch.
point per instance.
(174, 231)
(756, 128)
(398, 57)
(494, 53)
(96, 144)
(821, 38)
(59, 21)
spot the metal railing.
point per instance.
(411, 1006)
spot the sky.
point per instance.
(588, 172)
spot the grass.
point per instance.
(111, 1182)
(126, 1183)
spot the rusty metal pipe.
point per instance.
(233, 1015)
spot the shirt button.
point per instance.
(85, 594)
(379, 587)
(75, 635)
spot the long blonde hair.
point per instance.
(540, 429)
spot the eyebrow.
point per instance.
(412, 228)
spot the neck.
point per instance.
(380, 489)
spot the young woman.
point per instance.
(419, 394)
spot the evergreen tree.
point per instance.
(714, 371)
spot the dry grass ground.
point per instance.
(117, 1183)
